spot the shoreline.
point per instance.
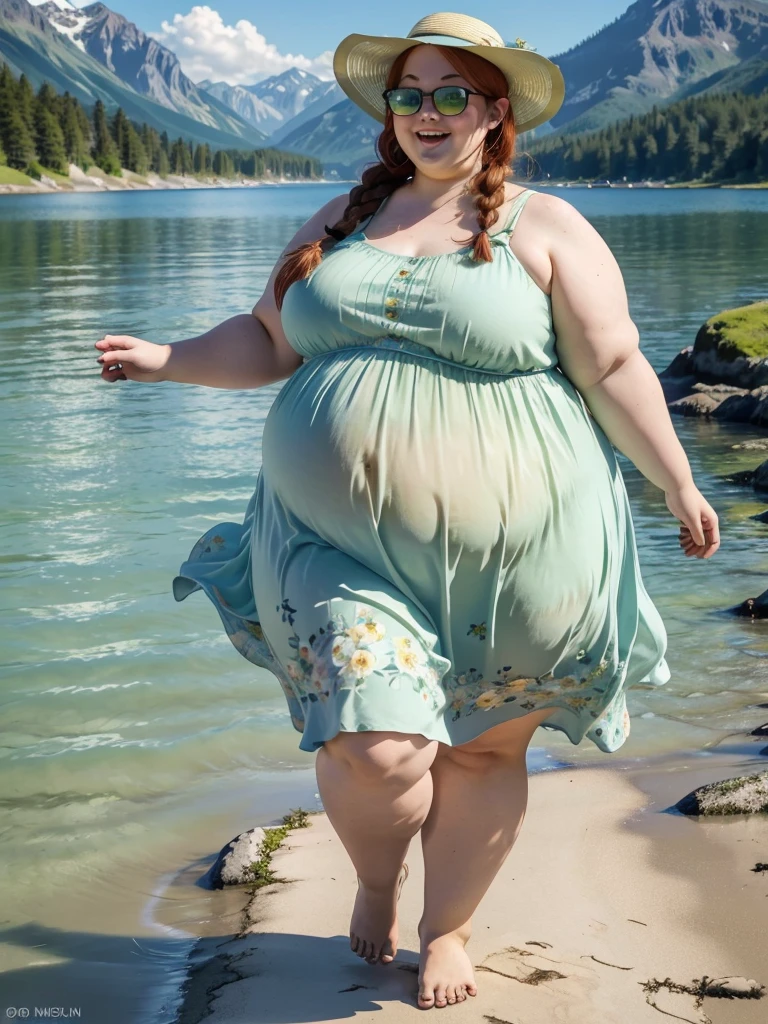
(633, 893)
(95, 180)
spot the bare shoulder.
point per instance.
(558, 219)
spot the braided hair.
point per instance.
(394, 168)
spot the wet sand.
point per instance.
(605, 890)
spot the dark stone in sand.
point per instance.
(746, 794)
(761, 517)
(763, 752)
(233, 864)
(761, 730)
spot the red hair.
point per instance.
(394, 168)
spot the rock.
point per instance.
(738, 408)
(763, 752)
(233, 864)
(681, 365)
(746, 794)
(717, 390)
(753, 607)
(761, 517)
(732, 347)
(738, 988)
(697, 404)
(748, 446)
(761, 730)
(758, 478)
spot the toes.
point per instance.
(471, 989)
(353, 942)
(450, 993)
(440, 999)
(426, 998)
(387, 954)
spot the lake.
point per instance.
(136, 740)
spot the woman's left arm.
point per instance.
(598, 349)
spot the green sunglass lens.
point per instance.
(449, 100)
(404, 101)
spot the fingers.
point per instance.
(705, 550)
(109, 341)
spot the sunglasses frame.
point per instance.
(467, 93)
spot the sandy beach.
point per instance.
(606, 894)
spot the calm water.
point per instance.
(136, 740)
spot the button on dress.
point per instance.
(440, 538)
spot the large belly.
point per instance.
(381, 441)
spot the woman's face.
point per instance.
(459, 148)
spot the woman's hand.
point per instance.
(699, 534)
(126, 358)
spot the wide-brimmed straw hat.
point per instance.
(536, 87)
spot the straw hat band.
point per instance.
(535, 85)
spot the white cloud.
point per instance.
(238, 54)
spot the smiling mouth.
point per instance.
(431, 138)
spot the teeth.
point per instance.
(431, 134)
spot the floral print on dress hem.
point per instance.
(344, 655)
(348, 654)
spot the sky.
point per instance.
(241, 42)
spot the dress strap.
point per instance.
(367, 220)
(517, 205)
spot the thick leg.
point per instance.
(478, 806)
(376, 789)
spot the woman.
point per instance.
(439, 555)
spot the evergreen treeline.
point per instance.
(717, 137)
(45, 131)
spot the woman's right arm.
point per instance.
(248, 350)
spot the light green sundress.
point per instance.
(440, 538)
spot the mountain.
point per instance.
(325, 96)
(278, 104)
(651, 52)
(32, 46)
(142, 63)
(247, 106)
(342, 138)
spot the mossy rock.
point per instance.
(746, 794)
(734, 333)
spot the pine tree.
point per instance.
(25, 103)
(105, 153)
(119, 133)
(17, 141)
(49, 141)
(75, 144)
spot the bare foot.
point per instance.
(373, 929)
(445, 971)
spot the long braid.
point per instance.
(377, 182)
(488, 186)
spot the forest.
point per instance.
(45, 131)
(720, 137)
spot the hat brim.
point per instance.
(536, 86)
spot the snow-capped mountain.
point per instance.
(142, 63)
(274, 103)
(244, 103)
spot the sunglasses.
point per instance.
(447, 100)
